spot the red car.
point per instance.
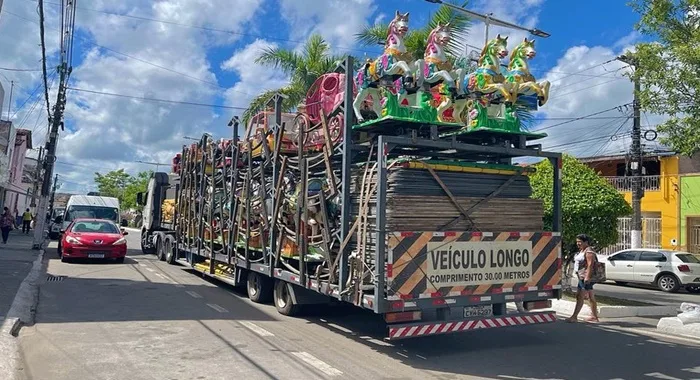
(92, 239)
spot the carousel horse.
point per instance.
(392, 65)
(435, 68)
(518, 72)
(487, 79)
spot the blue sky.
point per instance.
(132, 56)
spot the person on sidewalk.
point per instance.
(27, 221)
(584, 261)
(6, 223)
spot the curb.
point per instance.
(674, 326)
(567, 307)
(21, 313)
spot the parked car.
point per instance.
(92, 239)
(668, 270)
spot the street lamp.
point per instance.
(489, 20)
(157, 164)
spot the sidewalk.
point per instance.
(16, 258)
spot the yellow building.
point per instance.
(661, 201)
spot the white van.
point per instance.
(90, 206)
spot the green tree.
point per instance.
(121, 185)
(303, 68)
(669, 68)
(590, 205)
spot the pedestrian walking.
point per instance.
(27, 218)
(6, 223)
(584, 263)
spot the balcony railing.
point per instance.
(649, 183)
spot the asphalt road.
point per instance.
(148, 320)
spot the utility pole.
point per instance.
(37, 177)
(53, 194)
(636, 162)
(56, 119)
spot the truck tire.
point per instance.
(259, 288)
(169, 250)
(144, 240)
(284, 303)
(160, 249)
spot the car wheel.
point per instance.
(695, 289)
(259, 288)
(283, 299)
(621, 282)
(120, 260)
(58, 250)
(668, 283)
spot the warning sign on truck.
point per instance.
(479, 262)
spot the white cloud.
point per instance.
(336, 20)
(106, 132)
(582, 86)
(254, 78)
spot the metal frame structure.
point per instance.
(350, 151)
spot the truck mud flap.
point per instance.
(413, 330)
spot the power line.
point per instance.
(584, 70)
(585, 88)
(88, 41)
(21, 70)
(584, 117)
(157, 100)
(205, 28)
(43, 58)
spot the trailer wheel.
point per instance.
(169, 250)
(160, 249)
(283, 299)
(259, 288)
(144, 243)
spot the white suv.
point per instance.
(668, 270)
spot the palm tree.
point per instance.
(417, 39)
(303, 68)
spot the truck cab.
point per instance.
(158, 215)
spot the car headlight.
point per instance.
(73, 240)
(120, 241)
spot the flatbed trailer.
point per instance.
(321, 225)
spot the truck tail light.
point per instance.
(406, 316)
(684, 268)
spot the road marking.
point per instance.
(193, 294)
(341, 328)
(317, 363)
(660, 375)
(422, 357)
(217, 308)
(150, 269)
(402, 354)
(179, 286)
(255, 328)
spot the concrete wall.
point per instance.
(689, 204)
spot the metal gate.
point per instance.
(651, 234)
(693, 234)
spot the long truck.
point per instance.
(435, 233)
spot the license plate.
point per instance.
(478, 311)
(96, 255)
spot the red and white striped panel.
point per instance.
(475, 324)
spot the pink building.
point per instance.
(15, 188)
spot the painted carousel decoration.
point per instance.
(375, 76)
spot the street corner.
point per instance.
(566, 307)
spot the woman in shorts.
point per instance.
(584, 259)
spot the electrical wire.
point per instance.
(156, 99)
(43, 57)
(21, 70)
(584, 117)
